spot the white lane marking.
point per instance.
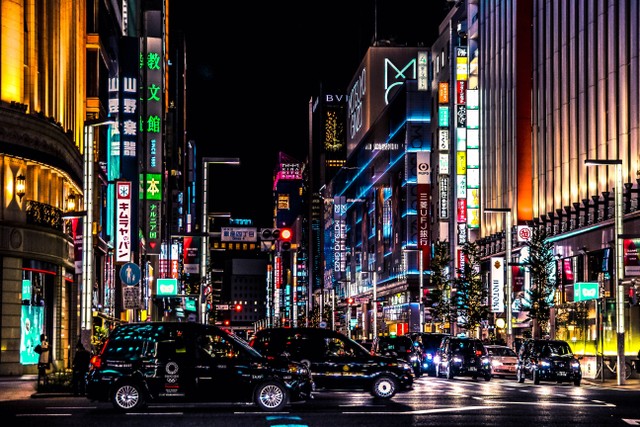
(426, 411)
(43, 415)
(154, 413)
(580, 404)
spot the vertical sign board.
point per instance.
(497, 285)
(128, 120)
(152, 68)
(423, 166)
(340, 236)
(460, 111)
(123, 221)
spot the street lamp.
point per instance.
(374, 280)
(420, 285)
(618, 218)
(88, 273)
(509, 280)
(204, 257)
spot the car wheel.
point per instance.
(576, 382)
(474, 377)
(128, 397)
(487, 377)
(536, 377)
(449, 372)
(520, 375)
(271, 396)
(384, 387)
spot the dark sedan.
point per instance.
(547, 360)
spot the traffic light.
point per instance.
(238, 308)
(286, 234)
(634, 289)
(269, 233)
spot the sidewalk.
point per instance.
(630, 384)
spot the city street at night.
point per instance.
(434, 401)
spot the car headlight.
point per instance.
(545, 364)
(299, 369)
(486, 361)
(575, 364)
(496, 363)
(457, 360)
(405, 366)
(414, 358)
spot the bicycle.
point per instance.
(612, 367)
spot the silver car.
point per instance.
(503, 360)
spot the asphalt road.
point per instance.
(434, 401)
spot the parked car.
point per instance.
(503, 360)
(547, 360)
(402, 347)
(336, 361)
(462, 356)
(188, 362)
(429, 341)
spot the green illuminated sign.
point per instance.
(584, 291)
(26, 289)
(167, 287)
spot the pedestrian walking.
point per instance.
(80, 367)
(43, 360)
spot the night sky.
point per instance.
(252, 70)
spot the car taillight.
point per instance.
(478, 353)
(96, 361)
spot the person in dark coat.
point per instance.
(80, 368)
(43, 360)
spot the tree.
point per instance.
(439, 301)
(471, 294)
(541, 264)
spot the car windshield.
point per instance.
(395, 344)
(464, 346)
(556, 349)
(501, 351)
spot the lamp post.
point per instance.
(420, 285)
(374, 280)
(88, 273)
(618, 218)
(204, 256)
(507, 261)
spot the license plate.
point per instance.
(472, 368)
(562, 374)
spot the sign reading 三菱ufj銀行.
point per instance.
(584, 291)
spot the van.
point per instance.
(190, 362)
(336, 361)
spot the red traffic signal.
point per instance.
(238, 307)
(286, 234)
